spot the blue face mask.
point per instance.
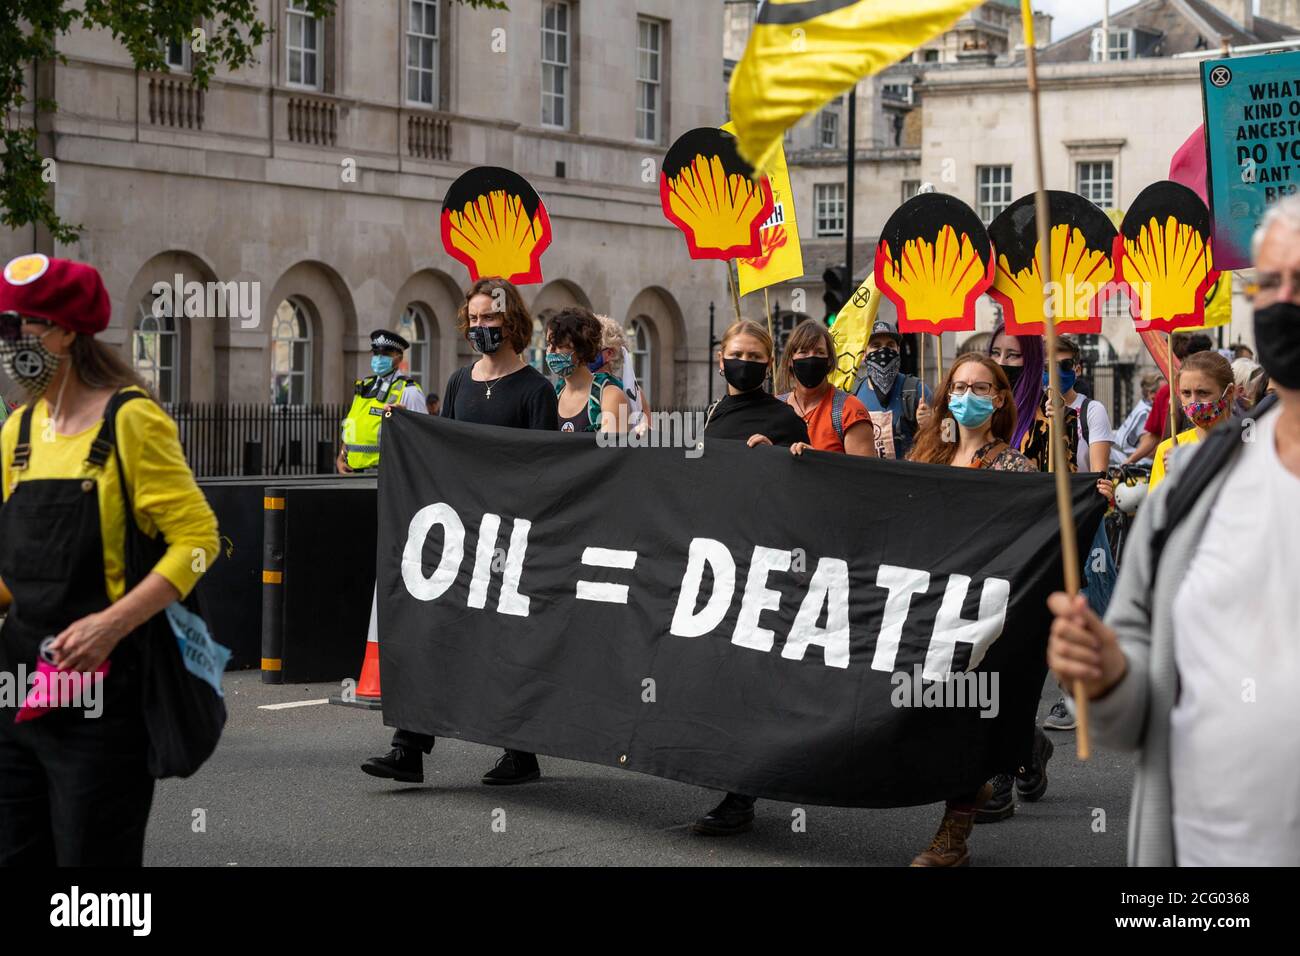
(381, 364)
(1068, 377)
(560, 363)
(970, 409)
(597, 365)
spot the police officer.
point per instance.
(370, 396)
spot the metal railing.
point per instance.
(249, 439)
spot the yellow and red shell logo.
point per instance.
(1082, 267)
(1165, 258)
(710, 194)
(494, 223)
(933, 261)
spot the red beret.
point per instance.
(69, 294)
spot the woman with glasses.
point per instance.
(973, 425)
(88, 460)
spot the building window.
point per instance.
(639, 346)
(422, 53)
(897, 91)
(177, 55)
(290, 354)
(555, 65)
(302, 45)
(931, 56)
(412, 327)
(994, 191)
(911, 188)
(1096, 181)
(155, 348)
(828, 126)
(1121, 46)
(649, 39)
(828, 201)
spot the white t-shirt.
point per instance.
(1235, 729)
(412, 396)
(1098, 428)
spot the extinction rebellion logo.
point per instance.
(1221, 76)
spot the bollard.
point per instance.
(273, 586)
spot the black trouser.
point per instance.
(74, 791)
(410, 740)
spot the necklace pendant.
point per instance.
(489, 391)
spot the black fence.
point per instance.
(1113, 385)
(259, 439)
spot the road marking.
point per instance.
(293, 703)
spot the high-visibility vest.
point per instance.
(361, 426)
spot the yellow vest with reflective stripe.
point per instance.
(361, 426)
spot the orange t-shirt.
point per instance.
(821, 427)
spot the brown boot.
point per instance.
(949, 847)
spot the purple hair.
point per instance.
(1029, 390)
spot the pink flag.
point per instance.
(1188, 165)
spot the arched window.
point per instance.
(412, 327)
(641, 346)
(536, 353)
(290, 354)
(155, 348)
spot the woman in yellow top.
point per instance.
(1206, 388)
(74, 784)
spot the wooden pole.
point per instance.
(731, 283)
(938, 374)
(923, 362)
(1065, 512)
(1173, 382)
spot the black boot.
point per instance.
(1002, 803)
(735, 814)
(400, 763)
(514, 766)
(1031, 781)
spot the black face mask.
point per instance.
(811, 371)
(485, 338)
(1013, 373)
(744, 376)
(1277, 340)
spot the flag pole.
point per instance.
(731, 284)
(1069, 534)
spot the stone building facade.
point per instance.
(313, 181)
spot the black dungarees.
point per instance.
(74, 790)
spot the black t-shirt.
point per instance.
(522, 399)
(756, 413)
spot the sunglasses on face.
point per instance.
(11, 325)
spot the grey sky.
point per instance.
(1071, 15)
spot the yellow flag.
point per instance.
(851, 333)
(804, 53)
(1218, 304)
(782, 256)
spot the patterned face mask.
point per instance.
(1206, 414)
(882, 368)
(29, 363)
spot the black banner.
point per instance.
(824, 629)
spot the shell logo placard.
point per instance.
(711, 194)
(494, 223)
(1081, 262)
(1164, 255)
(934, 261)
(780, 255)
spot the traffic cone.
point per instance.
(366, 694)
